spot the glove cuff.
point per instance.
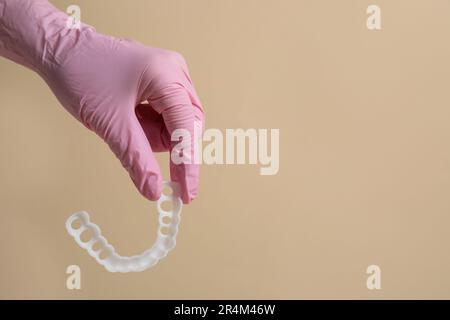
(35, 34)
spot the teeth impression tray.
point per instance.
(106, 255)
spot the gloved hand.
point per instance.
(132, 96)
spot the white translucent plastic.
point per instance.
(105, 253)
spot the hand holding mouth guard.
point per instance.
(105, 254)
(133, 96)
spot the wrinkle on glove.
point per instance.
(102, 81)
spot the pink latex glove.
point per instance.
(102, 81)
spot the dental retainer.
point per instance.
(105, 253)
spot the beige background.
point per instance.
(365, 157)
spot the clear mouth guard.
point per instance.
(106, 255)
